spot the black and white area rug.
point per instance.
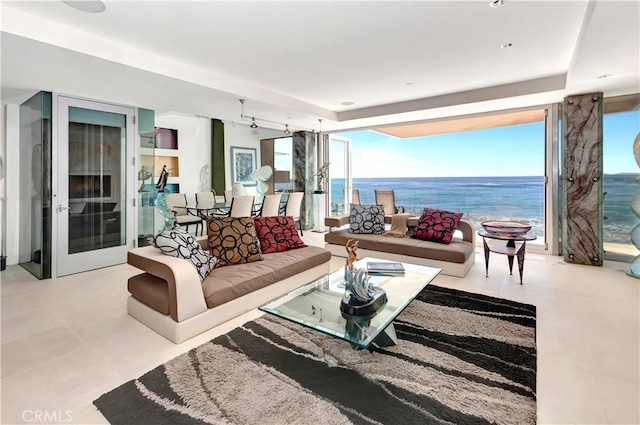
(462, 358)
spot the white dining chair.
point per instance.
(241, 206)
(294, 203)
(177, 202)
(270, 205)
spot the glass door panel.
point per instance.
(94, 217)
(339, 175)
(35, 185)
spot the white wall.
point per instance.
(11, 139)
(194, 149)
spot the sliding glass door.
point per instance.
(339, 157)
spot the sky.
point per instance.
(506, 151)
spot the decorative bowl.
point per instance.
(507, 228)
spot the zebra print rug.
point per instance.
(461, 358)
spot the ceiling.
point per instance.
(298, 61)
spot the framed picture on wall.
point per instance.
(243, 163)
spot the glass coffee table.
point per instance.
(316, 305)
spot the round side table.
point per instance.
(510, 250)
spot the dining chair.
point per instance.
(228, 196)
(355, 196)
(242, 206)
(294, 203)
(177, 202)
(205, 201)
(387, 199)
(270, 205)
(205, 204)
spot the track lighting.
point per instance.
(254, 125)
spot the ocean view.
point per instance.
(494, 198)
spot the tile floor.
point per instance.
(67, 341)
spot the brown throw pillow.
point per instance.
(233, 240)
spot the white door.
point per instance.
(94, 199)
(339, 155)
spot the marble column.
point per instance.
(304, 167)
(582, 189)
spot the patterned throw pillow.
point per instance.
(179, 243)
(233, 240)
(367, 219)
(277, 234)
(437, 225)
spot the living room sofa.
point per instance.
(170, 299)
(455, 258)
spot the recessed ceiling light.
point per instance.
(604, 76)
(507, 45)
(409, 84)
(347, 103)
(497, 3)
(89, 6)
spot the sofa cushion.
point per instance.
(277, 234)
(366, 219)
(233, 240)
(150, 290)
(228, 283)
(437, 225)
(179, 243)
(458, 251)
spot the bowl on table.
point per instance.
(506, 228)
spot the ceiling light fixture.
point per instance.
(604, 76)
(507, 45)
(347, 103)
(497, 3)
(254, 125)
(89, 6)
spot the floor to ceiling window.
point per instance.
(488, 174)
(620, 180)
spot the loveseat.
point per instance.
(455, 258)
(170, 299)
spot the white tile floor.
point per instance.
(67, 341)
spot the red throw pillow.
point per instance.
(437, 225)
(277, 234)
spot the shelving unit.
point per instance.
(155, 153)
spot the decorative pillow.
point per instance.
(277, 234)
(437, 225)
(233, 240)
(179, 243)
(366, 219)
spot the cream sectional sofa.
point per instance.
(170, 299)
(455, 259)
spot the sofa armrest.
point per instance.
(468, 231)
(336, 221)
(186, 298)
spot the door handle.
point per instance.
(62, 208)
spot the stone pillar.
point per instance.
(582, 188)
(304, 167)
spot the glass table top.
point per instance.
(317, 304)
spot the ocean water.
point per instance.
(494, 198)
